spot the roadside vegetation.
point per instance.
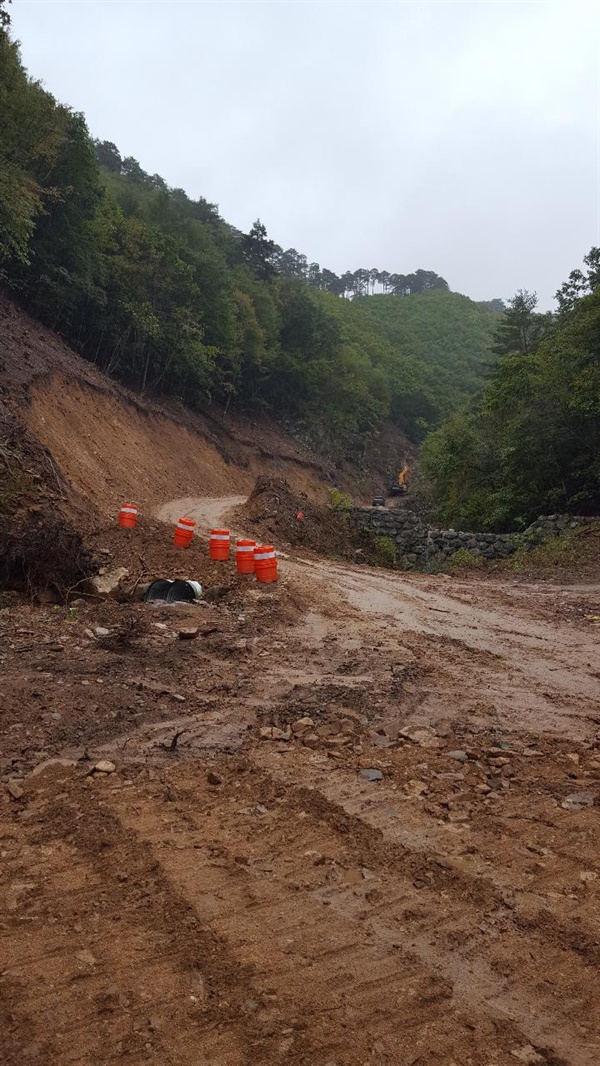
(528, 443)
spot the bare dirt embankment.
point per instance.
(353, 821)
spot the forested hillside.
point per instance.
(529, 442)
(158, 290)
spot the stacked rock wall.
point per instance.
(419, 544)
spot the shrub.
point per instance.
(384, 552)
(465, 558)
(339, 501)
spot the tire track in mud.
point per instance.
(178, 994)
(391, 938)
(474, 939)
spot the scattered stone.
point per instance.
(347, 726)
(100, 631)
(421, 735)
(177, 696)
(416, 788)
(311, 740)
(14, 790)
(213, 778)
(189, 634)
(527, 1054)
(330, 729)
(303, 725)
(105, 584)
(105, 767)
(588, 875)
(371, 775)
(336, 742)
(86, 957)
(251, 1006)
(379, 741)
(460, 756)
(271, 732)
(578, 800)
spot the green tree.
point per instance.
(4, 15)
(580, 283)
(31, 130)
(530, 442)
(521, 328)
(258, 251)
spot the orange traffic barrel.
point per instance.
(128, 516)
(244, 556)
(184, 531)
(265, 563)
(219, 544)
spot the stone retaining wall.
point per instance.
(419, 544)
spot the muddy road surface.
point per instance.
(353, 820)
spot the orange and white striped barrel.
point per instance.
(128, 516)
(265, 563)
(184, 531)
(244, 556)
(219, 544)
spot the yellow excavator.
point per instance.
(400, 488)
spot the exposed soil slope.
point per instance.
(108, 444)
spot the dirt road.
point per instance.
(232, 897)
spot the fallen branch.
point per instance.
(173, 745)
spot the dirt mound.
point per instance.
(40, 549)
(277, 513)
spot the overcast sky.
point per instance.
(461, 137)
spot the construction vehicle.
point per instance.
(400, 488)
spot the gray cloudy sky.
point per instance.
(462, 137)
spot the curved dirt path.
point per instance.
(208, 512)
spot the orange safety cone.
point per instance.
(128, 516)
(265, 563)
(184, 531)
(244, 556)
(219, 544)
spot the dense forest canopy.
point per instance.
(529, 442)
(158, 290)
